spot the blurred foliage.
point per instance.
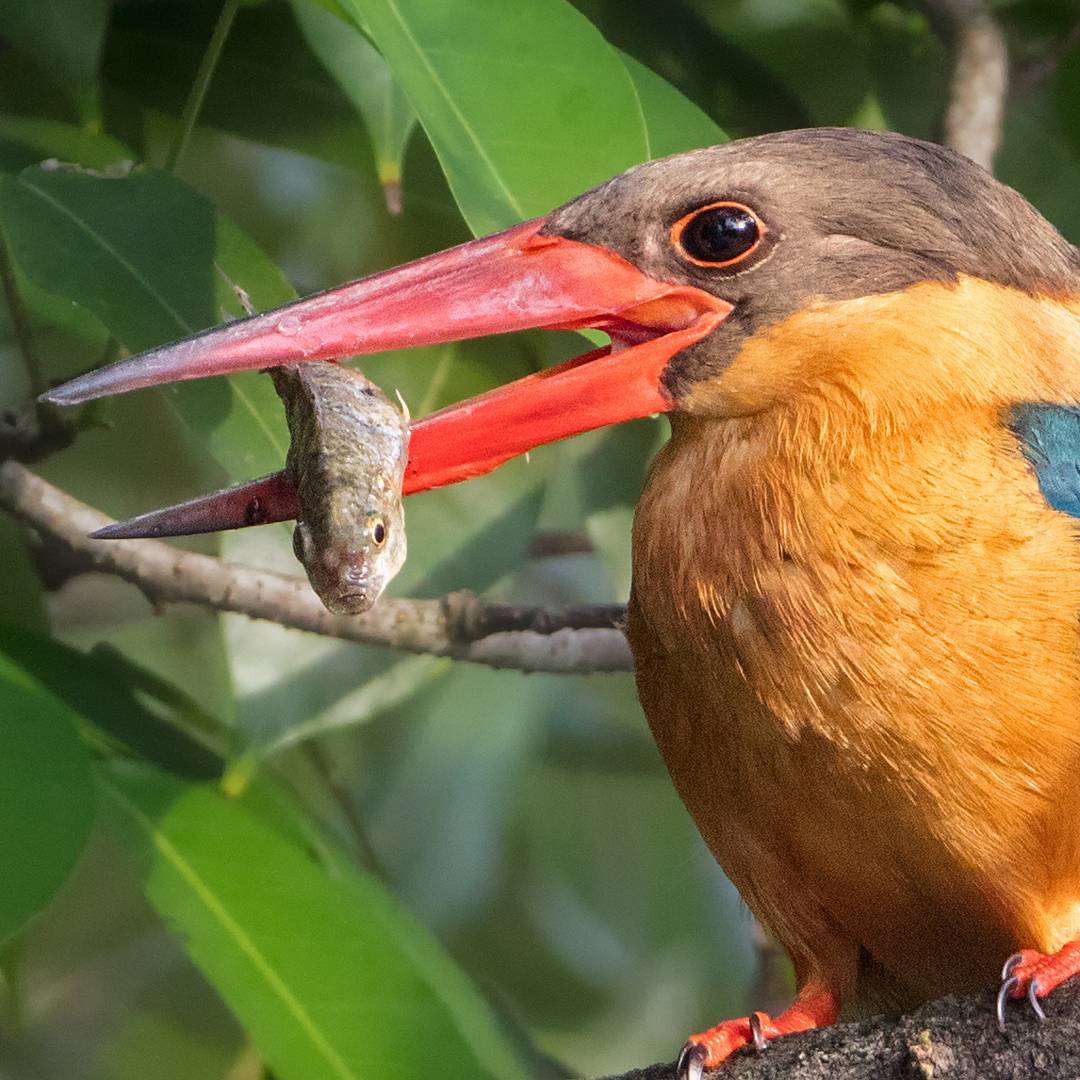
(229, 847)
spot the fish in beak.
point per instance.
(520, 279)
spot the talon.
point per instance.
(760, 1042)
(1003, 996)
(1033, 1001)
(691, 1063)
(1010, 965)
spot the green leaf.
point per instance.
(1066, 95)
(144, 713)
(64, 36)
(136, 250)
(673, 121)
(330, 977)
(149, 257)
(525, 103)
(371, 699)
(21, 600)
(1037, 158)
(368, 83)
(46, 799)
(267, 87)
(25, 140)
(909, 68)
(810, 46)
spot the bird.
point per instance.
(855, 602)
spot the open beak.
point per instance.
(515, 280)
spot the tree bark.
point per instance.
(954, 1038)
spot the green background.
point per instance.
(488, 867)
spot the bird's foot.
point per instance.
(811, 1009)
(708, 1048)
(1032, 975)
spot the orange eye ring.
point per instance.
(739, 209)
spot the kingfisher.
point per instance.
(855, 608)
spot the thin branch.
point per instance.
(193, 105)
(482, 620)
(980, 79)
(457, 626)
(34, 432)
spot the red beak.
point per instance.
(516, 280)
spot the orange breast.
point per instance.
(855, 623)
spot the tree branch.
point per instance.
(461, 626)
(955, 1038)
(980, 78)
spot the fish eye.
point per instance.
(717, 235)
(378, 529)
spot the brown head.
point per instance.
(812, 222)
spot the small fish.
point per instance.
(347, 456)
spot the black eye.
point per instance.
(378, 531)
(717, 235)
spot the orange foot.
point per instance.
(1034, 974)
(814, 1007)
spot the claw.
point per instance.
(760, 1042)
(1033, 1001)
(1010, 965)
(691, 1063)
(1003, 994)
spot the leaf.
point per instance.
(147, 256)
(137, 250)
(267, 87)
(457, 773)
(21, 600)
(1037, 158)
(368, 701)
(25, 140)
(1066, 94)
(673, 121)
(328, 975)
(909, 68)
(369, 84)
(810, 46)
(525, 103)
(143, 712)
(46, 799)
(64, 36)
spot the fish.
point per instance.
(347, 456)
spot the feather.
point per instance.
(1050, 439)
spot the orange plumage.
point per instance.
(855, 625)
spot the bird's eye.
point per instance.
(377, 529)
(720, 234)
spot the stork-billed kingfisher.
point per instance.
(855, 611)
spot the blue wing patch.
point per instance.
(1050, 439)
